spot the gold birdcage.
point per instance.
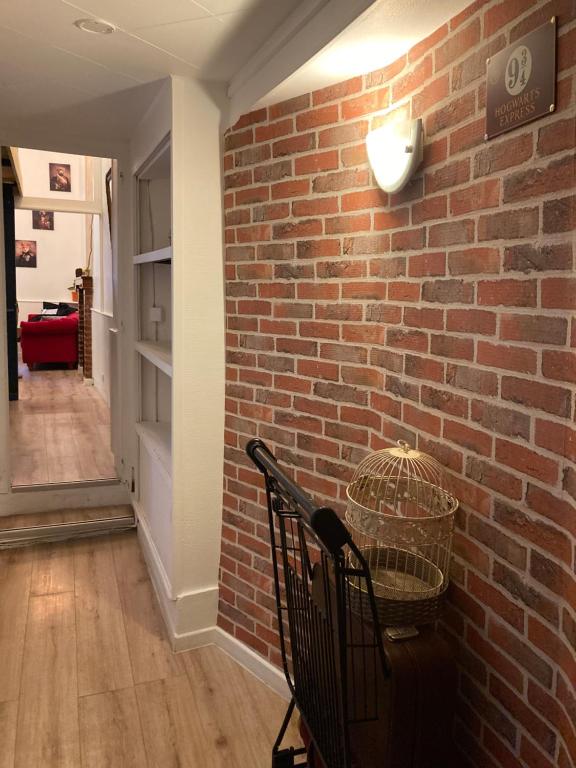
(401, 516)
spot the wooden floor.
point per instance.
(88, 680)
(59, 430)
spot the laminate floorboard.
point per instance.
(110, 731)
(8, 715)
(59, 430)
(47, 732)
(98, 685)
(15, 575)
(61, 516)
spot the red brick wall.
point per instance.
(442, 315)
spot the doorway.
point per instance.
(59, 269)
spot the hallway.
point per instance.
(59, 430)
(88, 679)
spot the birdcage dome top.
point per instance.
(403, 482)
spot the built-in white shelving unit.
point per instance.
(153, 345)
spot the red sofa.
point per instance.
(50, 341)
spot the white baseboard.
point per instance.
(187, 615)
(253, 662)
(183, 617)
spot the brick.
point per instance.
(559, 365)
(472, 379)
(321, 161)
(429, 209)
(334, 182)
(485, 194)
(421, 420)
(444, 401)
(526, 461)
(467, 136)
(518, 588)
(312, 249)
(448, 292)
(423, 368)
(487, 474)
(347, 433)
(373, 101)
(496, 660)
(474, 66)
(252, 155)
(506, 547)
(344, 352)
(537, 728)
(236, 140)
(404, 291)
(364, 290)
(536, 394)
(270, 212)
(250, 118)
(337, 92)
(457, 45)
(556, 438)
(293, 188)
(413, 79)
(452, 346)
(315, 207)
(275, 251)
(534, 529)
(471, 321)
(273, 171)
(346, 224)
(362, 377)
(274, 130)
(501, 154)
(340, 392)
(472, 439)
(540, 329)
(352, 156)
(526, 257)
(370, 198)
(510, 293)
(302, 228)
(508, 224)
(504, 421)
(492, 597)
(474, 261)
(370, 245)
(453, 113)
(393, 219)
(294, 144)
(556, 137)
(417, 341)
(424, 318)
(559, 215)
(315, 117)
(408, 240)
(451, 233)
(297, 104)
(343, 134)
(536, 182)
(317, 445)
(450, 175)
(558, 293)
(363, 334)
(391, 361)
(431, 94)
(239, 179)
(519, 650)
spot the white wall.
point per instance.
(101, 324)
(59, 252)
(35, 167)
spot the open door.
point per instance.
(11, 304)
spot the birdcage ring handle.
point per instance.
(403, 445)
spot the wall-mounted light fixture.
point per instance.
(395, 150)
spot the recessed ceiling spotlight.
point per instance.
(95, 26)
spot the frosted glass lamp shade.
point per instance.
(395, 151)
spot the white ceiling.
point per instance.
(46, 63)
(56, 77)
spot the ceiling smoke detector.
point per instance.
(95, 26)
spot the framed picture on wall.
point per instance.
(26, 253)
(60, 177)
(43, 220)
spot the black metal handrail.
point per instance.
(332, 658)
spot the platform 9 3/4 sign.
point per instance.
(521, 81)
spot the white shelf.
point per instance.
(158, 439)
(159, 354)
(162, 254)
